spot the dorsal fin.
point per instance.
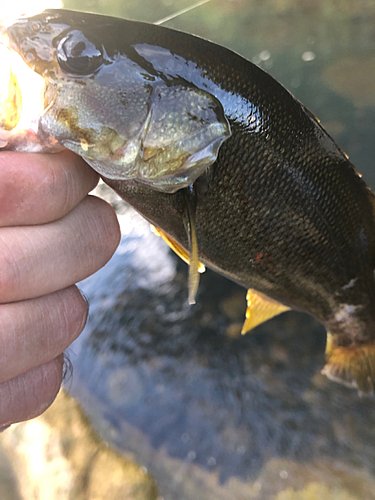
(260, 308)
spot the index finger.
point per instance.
(40, 188)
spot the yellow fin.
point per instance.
(192, 259)
(194, 262)
(353, 366)
(260, 308)
(177, 248)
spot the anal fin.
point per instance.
(353, 366)
(260, 308)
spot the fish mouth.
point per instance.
(21, 94)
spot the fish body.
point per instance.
(276, 207)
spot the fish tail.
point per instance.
(353, 366)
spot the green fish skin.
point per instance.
(281, 210)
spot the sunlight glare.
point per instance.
(21, 94)
(11, 11)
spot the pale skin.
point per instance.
(52, 235)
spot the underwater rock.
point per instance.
(58, 456)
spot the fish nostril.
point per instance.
(36, 27)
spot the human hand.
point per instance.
(51, 236)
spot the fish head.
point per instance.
(54, 44)
(108, 104)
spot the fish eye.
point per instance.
(79, 56)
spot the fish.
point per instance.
(230, 168)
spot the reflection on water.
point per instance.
(211, 414)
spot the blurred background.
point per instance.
(173, 402)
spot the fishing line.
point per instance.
(180, 12)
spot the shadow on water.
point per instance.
(211, 414)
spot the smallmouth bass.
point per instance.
(232, 170)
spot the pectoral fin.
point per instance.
(177, 248)
(191, 259)
(353, 366)
(260, 308)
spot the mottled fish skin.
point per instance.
(282, 210)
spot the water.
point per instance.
(211, 414)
